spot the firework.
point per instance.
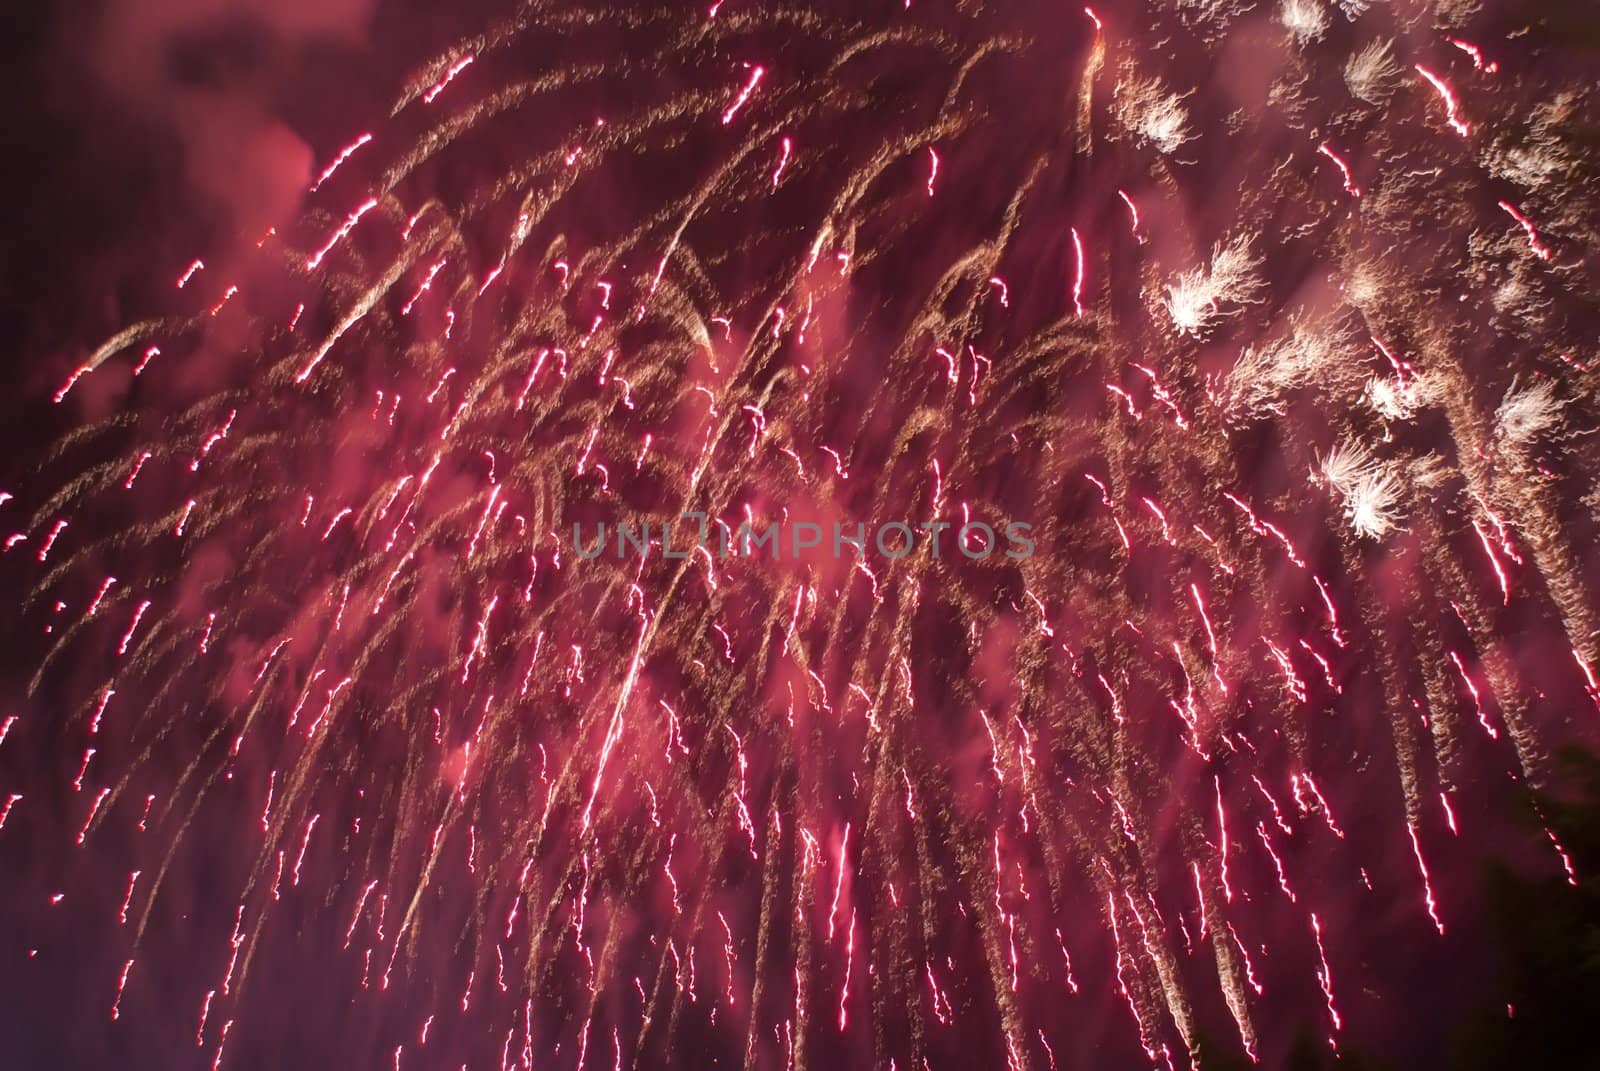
(324, 700)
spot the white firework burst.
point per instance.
(1196, 300)
(1526, 414)
(1369, 488)
(1306, 20)
(1152, 114)
(1372, 75)
(1548, 151)
(1393, 398)
(1313, 355)
(1354, 9)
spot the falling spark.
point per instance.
(338, 161)
(449, 76)
(1449, 99)
(352, 652)
(756, 74)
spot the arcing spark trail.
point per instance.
(1287, 367)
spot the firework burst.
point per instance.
(1286, 366)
